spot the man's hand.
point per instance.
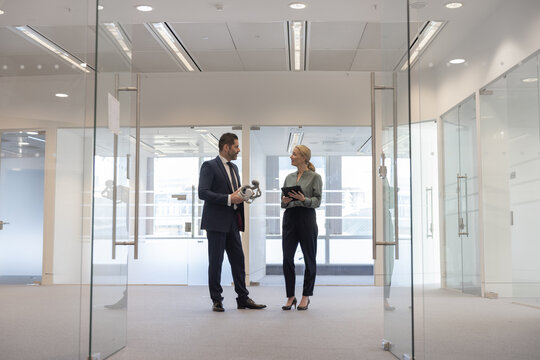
(236, 198)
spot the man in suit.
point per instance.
(223, 219)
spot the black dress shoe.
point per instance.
(218, 306)
(249, 304)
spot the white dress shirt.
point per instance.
(228, 170)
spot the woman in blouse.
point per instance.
(300, 225)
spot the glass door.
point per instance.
(392, 243)
(115, 175)
(43, 219)
(452, 247)
(461, 198)
(392, 238)
(468, 198)
(22, 172)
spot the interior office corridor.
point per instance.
(423, 119)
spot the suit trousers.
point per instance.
(218, 243)
(300, 226)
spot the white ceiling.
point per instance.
(248, 35)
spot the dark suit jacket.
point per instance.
(214, 188)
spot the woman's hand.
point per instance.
(297, 195)
(286, 199)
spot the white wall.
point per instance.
(256, 98)
(68, 218)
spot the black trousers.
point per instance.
(300, 226)
(218, 243)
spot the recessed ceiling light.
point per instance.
(4, 67)
(21, 67)
(297, 5)
(60, 95)
(1, 12)
(453, 5)
(457, 61)
(144, 8)
(530, 80)
(100, 7)
(39, 67)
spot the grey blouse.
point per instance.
(311, 184)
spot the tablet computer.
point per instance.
(285, 190)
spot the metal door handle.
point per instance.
(135, 242)
(463, 223)
(383, 171)
(429, 212)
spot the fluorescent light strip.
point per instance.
(424, 39)
(171, 43)
(47, 44)
(35, 138)
(118, 36)
(295, 138)
(297, 28)
(212, 140)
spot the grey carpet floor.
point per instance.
(343, 322)
(177, 323)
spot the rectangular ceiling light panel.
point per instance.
(120, 38)
(167, 38)
(295, 138)
(424, 38)
(41, 40)
(297, 44)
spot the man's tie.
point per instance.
(233, 176)
(235, 186)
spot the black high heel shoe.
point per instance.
(288, 307)
(303, 307)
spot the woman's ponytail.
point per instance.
(306, 153)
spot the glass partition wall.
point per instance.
(484, 303)
(46, 82)
(93, 169)
(510, 138)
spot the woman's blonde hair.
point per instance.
(306, 153)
